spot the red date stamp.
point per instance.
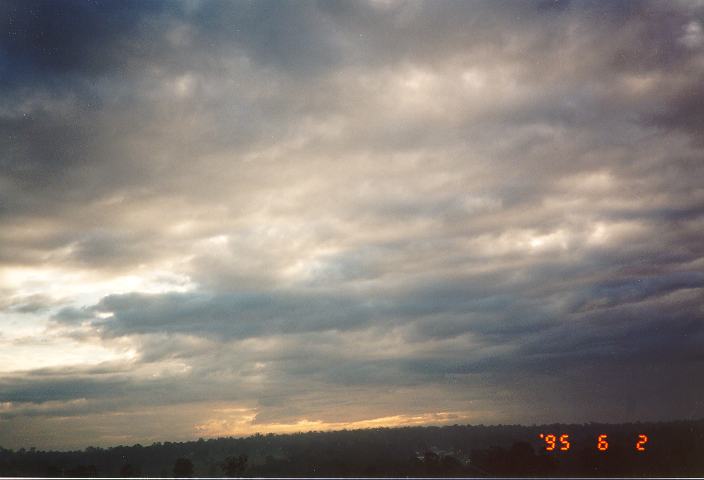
(562, 442)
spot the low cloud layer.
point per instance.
(218, 218)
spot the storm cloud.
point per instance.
(231, 217)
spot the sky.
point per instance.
(221, 218)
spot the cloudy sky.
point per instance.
(221, 218)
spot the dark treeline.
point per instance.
(672, 449)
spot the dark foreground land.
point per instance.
(672, 449)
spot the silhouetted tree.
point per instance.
(128, 470)
(183, 467)
(53, 471)
(234, 466)
(449, 465)
(519, 460)
(82, 471)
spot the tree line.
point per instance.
(673, 449)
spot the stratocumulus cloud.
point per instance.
(227, 217)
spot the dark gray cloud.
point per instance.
(344, 211)
(236, 315)
(51, 389)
